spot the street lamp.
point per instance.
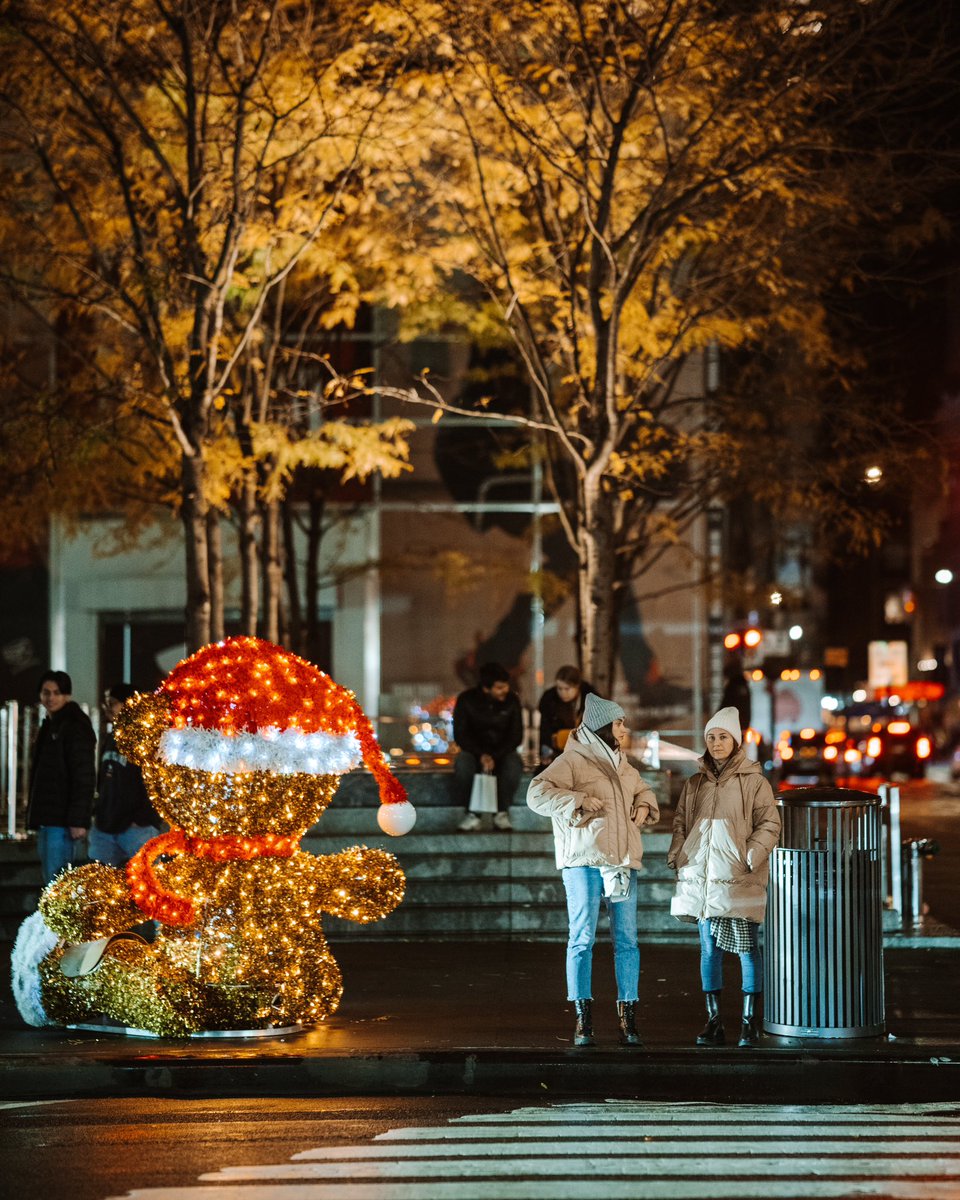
(796, 633)
(944, 575)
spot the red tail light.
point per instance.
(923, 747)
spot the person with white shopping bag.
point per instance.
(488, 728)
(598, 804)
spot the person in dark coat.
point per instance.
(488, 728)
(124, 819)
(62, 776)
(561, 707)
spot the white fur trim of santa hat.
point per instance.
(727, 719)
(282, 751)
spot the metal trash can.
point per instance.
(823, 938)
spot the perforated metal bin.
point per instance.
(823, 957)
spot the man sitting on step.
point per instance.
(488, 728)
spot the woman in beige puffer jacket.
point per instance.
(725, 827)
(598, 802)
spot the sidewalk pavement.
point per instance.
(490, 1018)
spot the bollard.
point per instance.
(915, 850)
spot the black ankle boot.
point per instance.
(712, 1033)
(583, 1034)
(627, 1012)
(749, 1029)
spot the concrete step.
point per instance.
(508, 891)
(533, 922)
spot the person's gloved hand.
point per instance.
(590, 804)
(641, 815)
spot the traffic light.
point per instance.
(748, 638)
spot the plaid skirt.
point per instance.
(736, 934)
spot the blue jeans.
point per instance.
(584, 888)
(508, 771)
(711, 964)
(117, 849)
(57, 850)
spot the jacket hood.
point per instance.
(736, 764)
(585, 742)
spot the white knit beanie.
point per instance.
(597, 712)
(727, 719)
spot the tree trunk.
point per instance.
(314, 651)
(596, 591)
(215, 570)
(193, 514)
(249, 520)
(294, 608)
(272, 571)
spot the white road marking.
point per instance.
(623, 1151)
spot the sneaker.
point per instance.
(501, 820)
(469, 823)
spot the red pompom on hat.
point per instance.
(244, 704)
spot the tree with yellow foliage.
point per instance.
(169, 170)
(639, 189)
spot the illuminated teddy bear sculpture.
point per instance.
(241, 749)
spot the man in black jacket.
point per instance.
(62, 776)
(488, 728)
(125, 820)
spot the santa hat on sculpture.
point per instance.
(244, 704)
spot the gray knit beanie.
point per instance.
(597, 712)
(727, 719)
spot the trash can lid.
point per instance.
(827, 797)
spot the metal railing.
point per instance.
(18, 725)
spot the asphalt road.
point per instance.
(93, 1149)
(387, 1149)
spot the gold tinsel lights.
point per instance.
(239, 905)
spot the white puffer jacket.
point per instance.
(723, 833)
(610, 838)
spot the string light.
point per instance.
(239, 904)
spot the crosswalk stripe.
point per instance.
(660, 1126)
(630, 1111)
(573, 1189)
(639, 1165)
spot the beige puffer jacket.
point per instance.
(610, 838)
(723, 833)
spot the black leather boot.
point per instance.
(583, 1034)
(712, 1033)
(627, 1012)
(749, 1029)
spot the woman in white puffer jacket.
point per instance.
(725, 827)
(598, 802)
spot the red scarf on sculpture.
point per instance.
(153, 899)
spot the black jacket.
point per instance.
(122, 798)
(557, 714)
(482, 725)
(63, 770)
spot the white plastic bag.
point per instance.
(483, 793)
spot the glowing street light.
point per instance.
(873, 475)
(796, 633)
(944, 575)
